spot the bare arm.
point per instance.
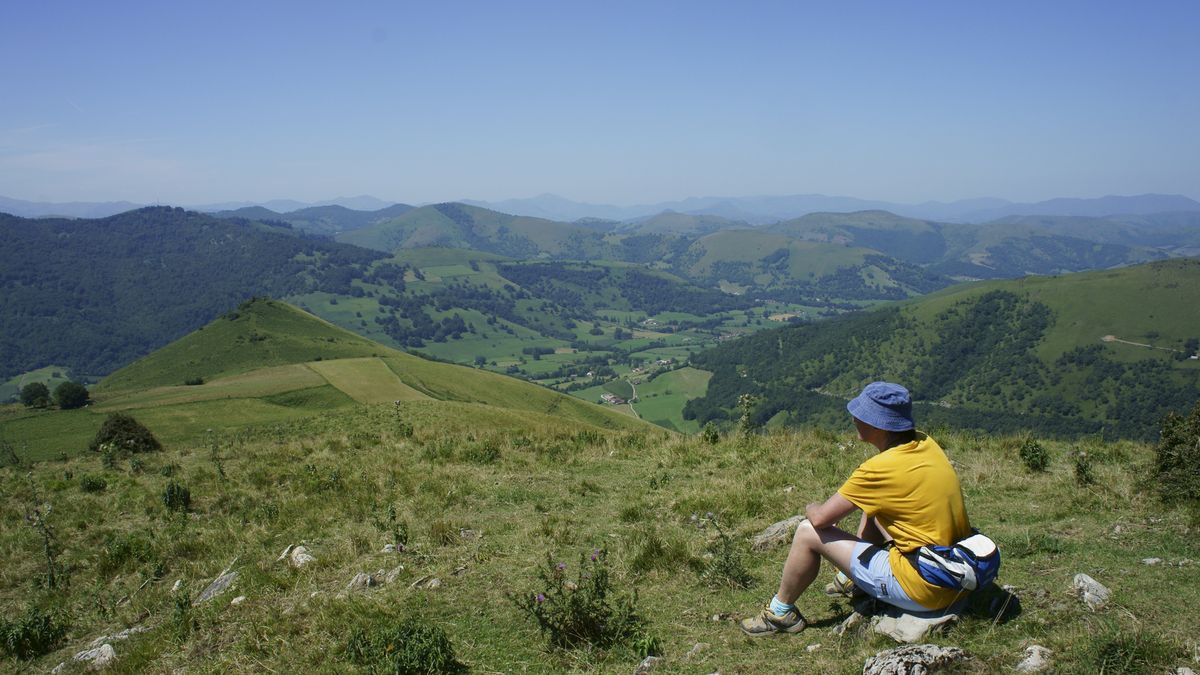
(834, 509)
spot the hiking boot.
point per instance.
(770, 623)
(841, 585)
(844, 586)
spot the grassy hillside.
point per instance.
(259, 333)
(784, 267)
(485, 496)
(267, 363)
(1098, 352)
(461, 226)
(1004, 249)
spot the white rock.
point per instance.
(283, 556)
(117, 637)
(393, 574)
(300, 557)
(217, 587)
(388, 548)
(427, 581)
(696, 649)
(776, 533)
(97, 657)
(360, 580)
(647, 665)
(813, 647)
(1184, 670)
(912, 659)
(238, 600)
(907, 628)
(1093, 593)
(1037, 659)
(1151, 561)
(177, 585)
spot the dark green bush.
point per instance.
(35, 395)
(1177, 456)
(409, 646)
(1034, 455)
(176, 497)
(587, 611)
(32, 634)
(124, 435)
(194, 381)
(71, 395)
(92, 484)
(1083, 469)
(710, 434)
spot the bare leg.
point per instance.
(803, 564)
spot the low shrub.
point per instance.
(1083, 469)
(655, 552)
(1034, 456)
(589, 610)
(483, 452)
(92, 484)
(177, 497)
(120, 550)
(124, 435)
(32, 634)
(727, 566)
(710, 434)
(409, 646)
(1176, 457)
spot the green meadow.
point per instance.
(485, 494)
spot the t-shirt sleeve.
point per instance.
(862, 488)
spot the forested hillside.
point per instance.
(1101, 352)
(93, 295)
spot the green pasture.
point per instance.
(661, 400)
(51, 376)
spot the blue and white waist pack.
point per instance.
(966, 565)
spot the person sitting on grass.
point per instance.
(910, 497)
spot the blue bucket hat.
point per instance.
(883, 405)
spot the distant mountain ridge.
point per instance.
(755, 210)
(768, 209)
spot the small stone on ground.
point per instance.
(217, 587)
(913, 660)
(1037, 659)
(647, 665)
(1094, 594)
(776, 533)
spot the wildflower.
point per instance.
(595, 555)
(540, 598)
(561, 567)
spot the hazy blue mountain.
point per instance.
(27, 209)
(1102, 206)
(359, 203)
(328, 220)
(762, 210)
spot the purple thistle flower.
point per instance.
(595, 555)
(561, 566)
(540, 598)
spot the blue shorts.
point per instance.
(871, 570)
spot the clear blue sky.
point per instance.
(195, 102)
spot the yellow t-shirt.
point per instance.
(913, 492)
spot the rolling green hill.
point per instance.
(1097, 352)
(1004, 249)
(325, 220)
(784, 267)
(269, 362)
(460, 226)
